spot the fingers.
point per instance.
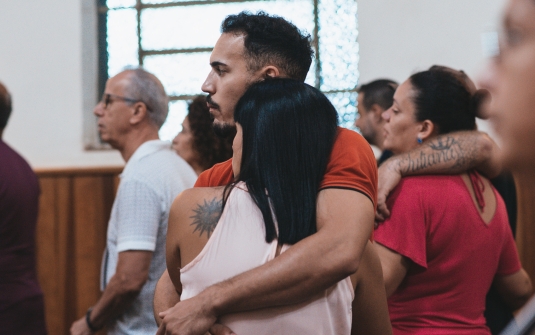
(378, 218)
(381, 214)
(219, 329)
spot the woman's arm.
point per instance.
(370, 309)
(451, 153)
(165, 296)
(515, 289)
(172, 246)
(395, 267)
(169, 287)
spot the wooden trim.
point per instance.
(78, 171)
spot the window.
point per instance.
(173, 40)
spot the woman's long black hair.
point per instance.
(289, 130)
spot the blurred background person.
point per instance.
(197, 143)
(510, 78)
(440, 255)
(374, 98)
(21, 299)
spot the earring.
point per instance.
(419, 140)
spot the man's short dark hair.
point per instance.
(5, 106)
(380, 92)
(271, 40)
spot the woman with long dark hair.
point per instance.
(447, 239)
(285, 134)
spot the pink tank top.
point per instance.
(238, 244)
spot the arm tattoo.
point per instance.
(206, 216)
(446, 154)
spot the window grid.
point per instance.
(344, 95)
(140, 6)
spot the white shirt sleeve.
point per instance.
(138, 217)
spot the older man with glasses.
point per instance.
(132, 110)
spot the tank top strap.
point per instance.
(479, 187)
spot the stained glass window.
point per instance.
(173, 40)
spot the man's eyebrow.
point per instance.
(217, 63)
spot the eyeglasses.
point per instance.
(107, 99)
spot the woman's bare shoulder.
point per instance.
(197, 206)
(193, 218)
(193, 196)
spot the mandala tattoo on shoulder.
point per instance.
(206, 216)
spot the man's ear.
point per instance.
(377, 113)
(139, 113)
(427, 129)
(270, 71)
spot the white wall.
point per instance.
(44, 63)
(399, 37)
(41, 64)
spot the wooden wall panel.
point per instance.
(49, 268)
(75, 206)
(87, 211)
(89, 208)
(64, 219)
(71, 234)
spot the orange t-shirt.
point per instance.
(352, 166)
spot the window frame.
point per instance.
(92, 142)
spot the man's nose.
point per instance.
(99, 109)
(386, 115)
(208, 86)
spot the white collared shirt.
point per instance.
(150, 181)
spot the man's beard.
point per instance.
(224, 130)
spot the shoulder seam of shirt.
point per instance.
(144, 183)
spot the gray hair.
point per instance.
(145, 87)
